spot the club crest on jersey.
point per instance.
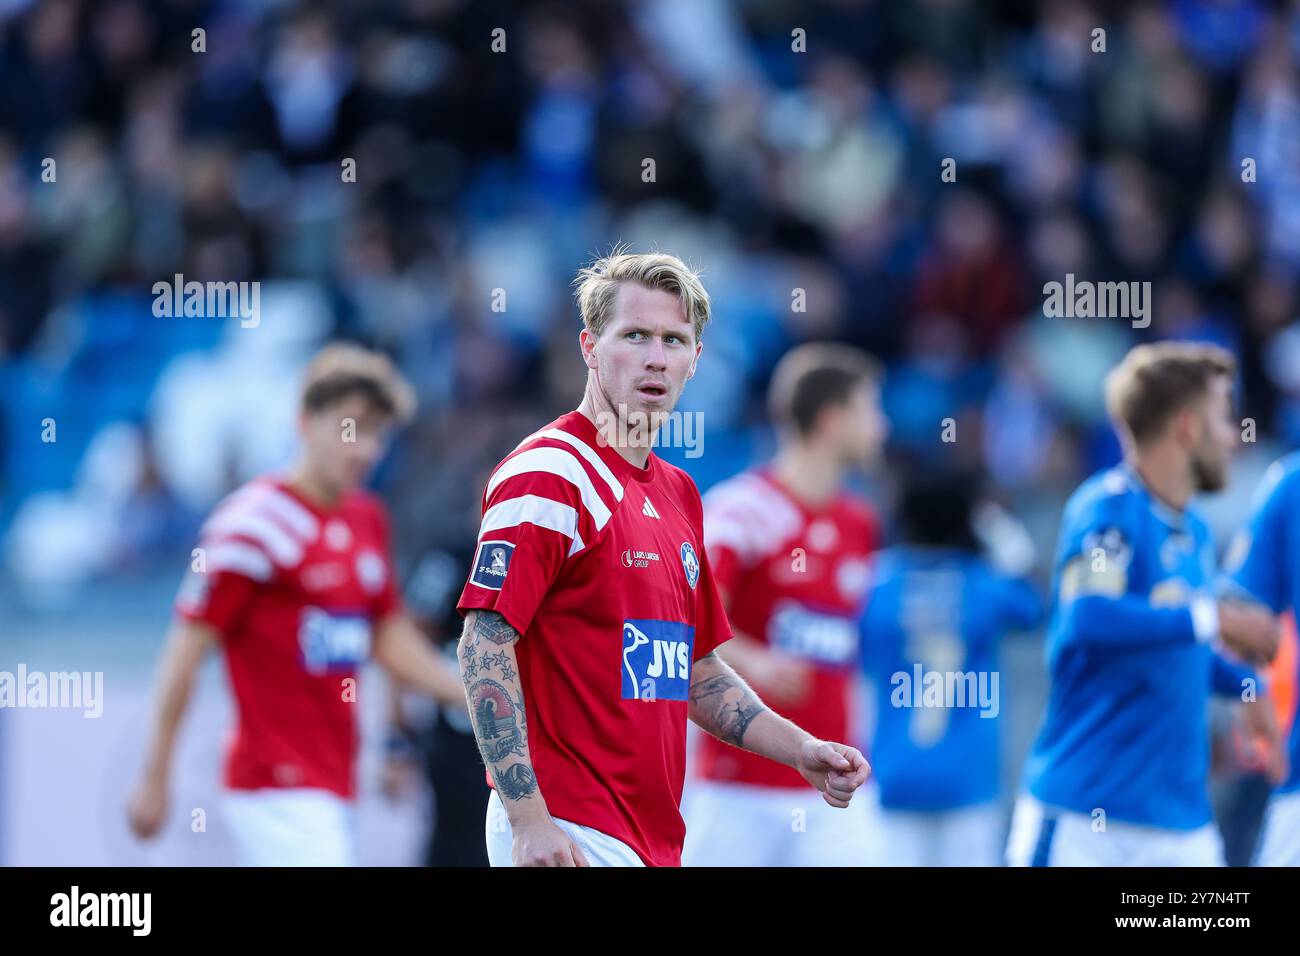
(657, 660)
(491, 564)
(691, 564)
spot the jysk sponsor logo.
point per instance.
(492, 563)
(812, 635)
(332, 642)
(657, 660)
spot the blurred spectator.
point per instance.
(802, 170)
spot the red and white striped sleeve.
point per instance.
(252, 536)
(543, 505)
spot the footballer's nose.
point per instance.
(656, 358)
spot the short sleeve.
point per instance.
(533, 521)
(216, 597)
(251, 538)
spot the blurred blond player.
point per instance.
(1138, 639)
(294, 583)
(789, 548)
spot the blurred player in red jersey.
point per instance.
(294, 582)
(789, 548)
(591, 612)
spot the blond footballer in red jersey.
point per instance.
(591, 613)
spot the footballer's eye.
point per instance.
(634, 336)
(673, 338)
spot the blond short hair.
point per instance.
(596, 286)
(1154, 382)
(342, 369)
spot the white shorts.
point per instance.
(969, 836)
(600, 849)
(291, 827)
(1279, 834)
(1062, 838)
(732, 824)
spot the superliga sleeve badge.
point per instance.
(492, 563)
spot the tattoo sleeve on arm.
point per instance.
(721, 701)
(494, 627)
(496, 703)
(516, 781)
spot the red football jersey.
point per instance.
(600, 566)
(794, 578)
(294, 589)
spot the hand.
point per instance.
(1265, 746)
(147, 809)
(1249, 630)
(780, 678)
(837, 770)
(544, 844)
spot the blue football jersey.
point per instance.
(1264, 560)
(929, 636)
(1129, 652)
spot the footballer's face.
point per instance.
(344, 441)
(1218, 436)
(644, 356)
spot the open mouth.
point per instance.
(652, 391)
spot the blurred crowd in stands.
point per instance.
(498, 145)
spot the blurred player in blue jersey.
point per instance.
(936, 612)
(1264, 562)
(1119, 774)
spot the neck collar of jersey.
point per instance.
(1167, 514)
(582, 426)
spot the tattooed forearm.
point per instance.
(494, 627)
(721, 702)
(469, 660)
(496, 703)
(497, 725)
(516, 781)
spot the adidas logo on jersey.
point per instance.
(649, 510)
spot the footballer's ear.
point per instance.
(699, 347)
(587, 345)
